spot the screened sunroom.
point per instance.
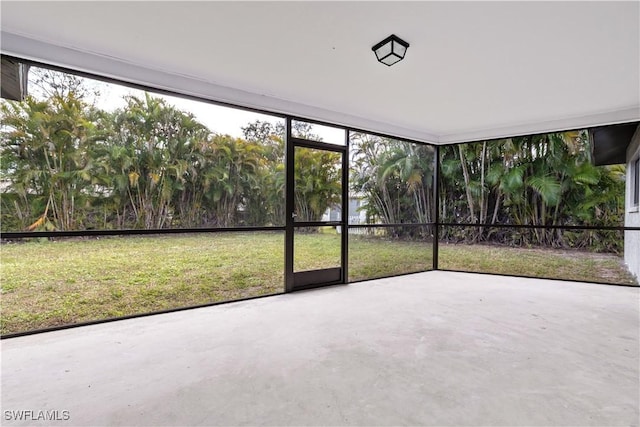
(189, 185)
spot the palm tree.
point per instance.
(152, 157)
(47, 160)
(396, 179)
(318, 183)
(532, 180)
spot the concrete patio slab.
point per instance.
(436, 348)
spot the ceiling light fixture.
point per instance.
(390, 50)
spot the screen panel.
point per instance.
(376, 252)
(316, 248)
(581, 255)
(86, 279)
(390, 181)
(84, 154)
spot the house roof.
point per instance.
(474, 70)
(609, 143)
(14, 80)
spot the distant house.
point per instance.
(14, 79)
(357, 214)
(615, 145)
(632, 212)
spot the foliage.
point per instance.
(395, 178)
(47, 161)
(67, 165)
(532, 180)
(317, 182)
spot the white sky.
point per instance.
(218, 119)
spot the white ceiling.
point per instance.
(474, 69)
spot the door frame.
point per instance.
(291, 143)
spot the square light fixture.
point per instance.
(390, 50)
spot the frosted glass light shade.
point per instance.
(390, 50)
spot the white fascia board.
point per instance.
(115, 68)
(626, 115)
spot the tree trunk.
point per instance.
(465, 172)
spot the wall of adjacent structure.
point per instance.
(632, 214)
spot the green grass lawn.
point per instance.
(55, 283)
(537, 262)
(49, 283)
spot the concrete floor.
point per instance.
(434, 348)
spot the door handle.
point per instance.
(294, 215)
